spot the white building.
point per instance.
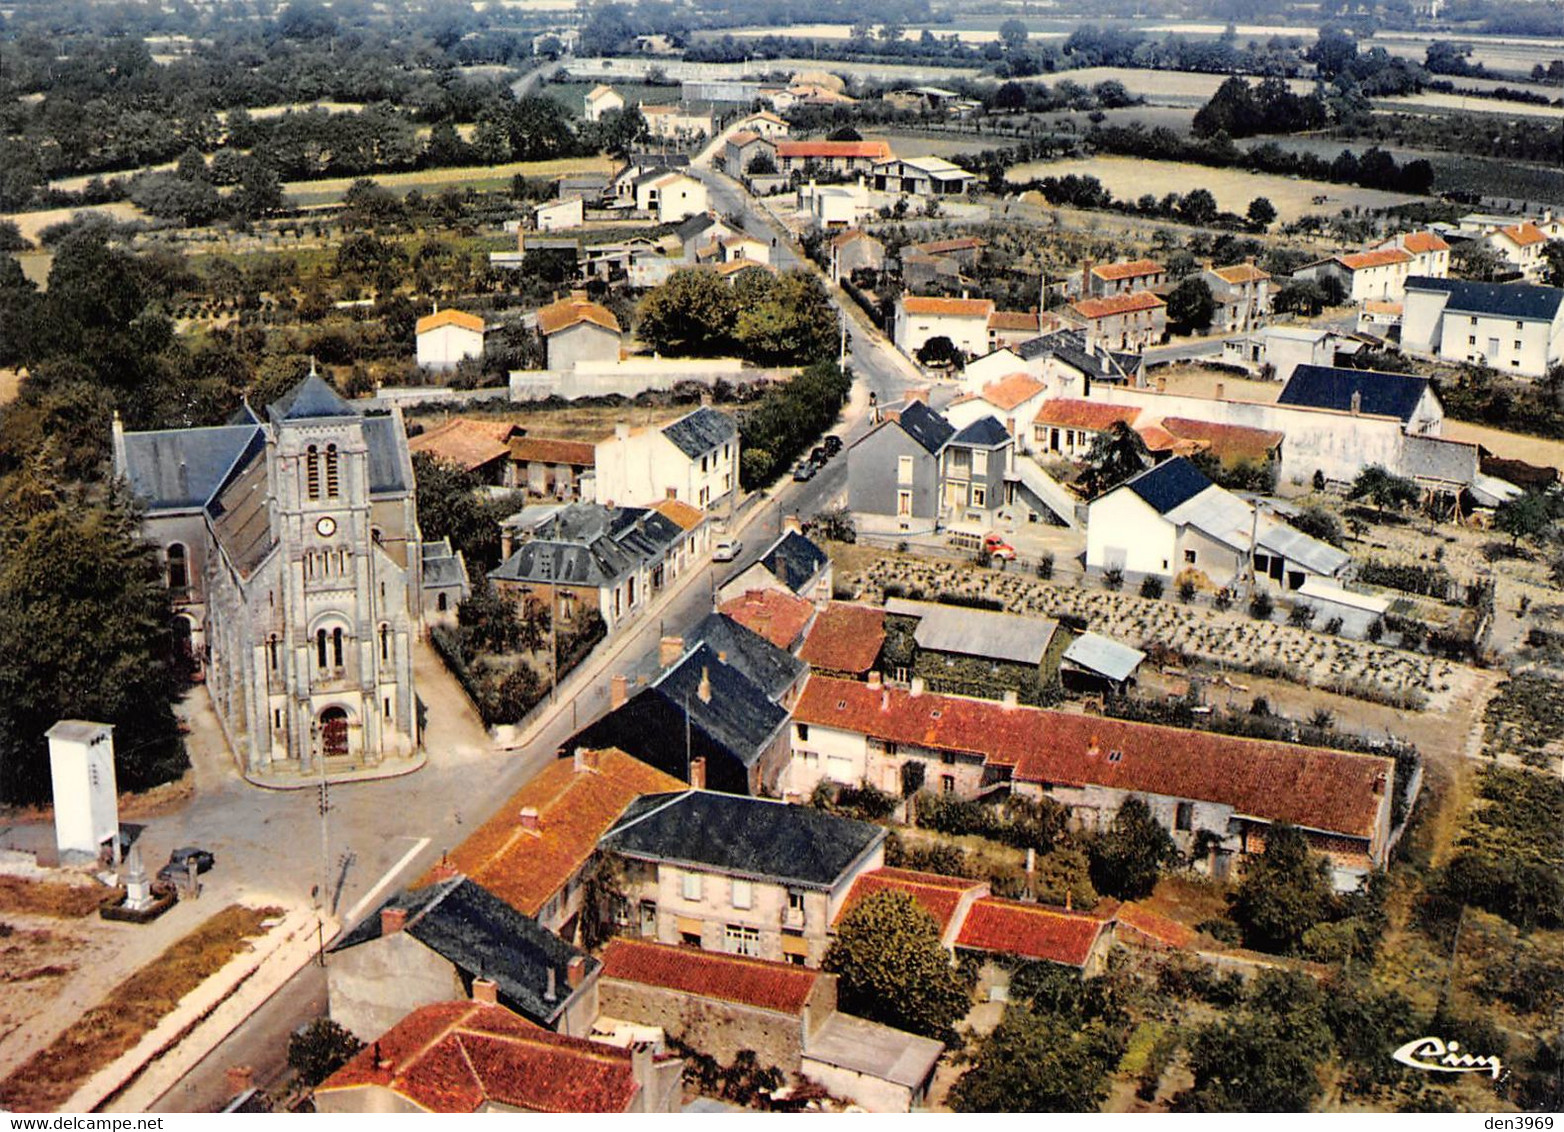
(558, 215)
(926, 177)
(1521, 246)
(695, 459)
(1014, 401)
(835, 207)
(1380, 274)
(1171, 520)
(445, 338)
(670, 196)
(922, 317)
(1430, 254)
(1512, 328)
(676, 123)
(86, 801)
(599, 101)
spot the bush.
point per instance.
(1045, 566)
(1376, 629)
(1261, 606)
(1113, 578)
(1223, 600)
(1151, 586)
(1301, 616)
(319, 1049)
(1413, 634)
(1221, 928)
(1186, 591)
(1333, 626)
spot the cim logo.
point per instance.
(1434, 1055)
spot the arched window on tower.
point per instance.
(312, 471)
(271, 652)
(336, 646)
(178, 569)
(320, 648)
(331, 471)
(385, 641)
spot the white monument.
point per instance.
(86, 802)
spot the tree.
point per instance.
(1039, 1062)
(449, 507)
(1552, 255)
(1129, 856)
(86, 631)
(1261, 213)
(761, 165)
(893, 969)
(1302, 296)
(1191, 305)
(11, 238)
(1250, 1064)
(1525, 517)
(1384, 489)
(320, 1049)
(1286, 890)
(1198, 207)
(692, 314)
(1333, 52)
(792, 323)
(1475, 259)
(939, 351)
(1114, 457)
(1316, 522)
(1013, 34)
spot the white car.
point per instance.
(726, 550)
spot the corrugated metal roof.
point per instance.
(984, 633)
(1104, 655)
(1325, 590)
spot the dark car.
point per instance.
(178, 867)
(804, 471)
(818, 456)
(832, 445)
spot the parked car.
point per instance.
(832, 445)
(803, 471)
(819, 456)
(178, 867)
(726, 550)
(997, 547)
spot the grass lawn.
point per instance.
(48, 1078)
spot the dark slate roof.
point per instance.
(183, 468)
(241, 517)
(310, 399)
(244, 415)
(1329, 387)
(984, 433)
(387, 446)
(1070, 347)
(748, 836)
(484, 937)
(442, 566)
(795, 561)
(1504, 300)
(589, 544)
(925, 426)
(1168, 484)
(737, 715)
(664, 161)
(701, 431)
(689, 229)
(769, 668)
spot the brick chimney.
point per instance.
(917, 686)
(530, 820)
(792, 523)
(618, 692)
(669, 649)
(575, 970)
(1010, 701)
(486, 991)
(238, 1079)
(703, 691)
(698, 773)
(443, 869)
(586, 760)
(392, 920)
(874, 680)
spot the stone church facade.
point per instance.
(292, 549)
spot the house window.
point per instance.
(692, 886)
(1189, 557)
(904, 469)
(795, 902)
(743, 894)
(803, 731)
(904, 504)
(980, 463)
(947, 783)
(979, 496)
(738, 939)
(1184, 815)
(690, 939)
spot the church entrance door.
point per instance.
(334, 732)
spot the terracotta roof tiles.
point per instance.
(1065, 412)
(448, 317)
(683, 515)
(1419, 243)
(1008, 392)
(777, 616)
(708, 974)
(1131, 269)
(1525, 234)
(950, 308)
(1013, 320)
(806, 150)
(1229, 442)
(465, 442)
(547, 450)
(1117, 304)
(1031, 930)
(940, 896)
(1239, 273)
(1385, 257)
(575, 309)
(845, 638)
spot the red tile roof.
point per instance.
(849, 236)
(448, 317)
(1158, 439)
(575, 808)
(1065, 412)
(938, 895)
(546, 450)
(1357, 261)
(1013, 320)
(464, 442)
(568, 312)
(806, 150)
(1229, 442)
(1420, 242)
(1154, 925)
(742, 138)
(954, 308)
(1008, 392)
(782, 987)
(683, 515)
(1031, 930)
(1240, 273)
(845, 638)
(945, 247)
(1313, 787)
(460, 1056)
(1130, 269)
(1525, 233)
(777, 616)
(1117, 304)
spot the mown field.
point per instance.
(1128, 178)
(435, 180)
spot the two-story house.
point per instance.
(1513, 328)
(1521, 247)
(793, 564)
(893, 470)
(964, 322)
(1380, 274)
(973, 466)
(747, 876)
(1129, 321)
(1429, 251)
(694, 459)
(1104, 279)
(1243, 296)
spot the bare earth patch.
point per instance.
(43, 898)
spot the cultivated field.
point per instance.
(1433, 100)
(1176, 87)
(434, 180)
(1128, 178)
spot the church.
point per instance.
(291, 547)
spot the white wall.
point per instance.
(445, 346)
(1123, 530)
(828, 754)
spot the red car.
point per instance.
(997, 547)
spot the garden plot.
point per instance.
(1355, 668)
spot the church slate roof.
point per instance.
(241, 519)
(486, 938)
(183, 468)
(754, 837)
(310, 399)
(387, 470)
(1330, 387)
(769, 668)
(586, 544)
(442, 566)
(701, 431)
(795, 561)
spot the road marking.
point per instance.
(373, 894)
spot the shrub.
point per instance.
(1224, 599)
(1261, 606)
(1333, 626)
(1113, 578)
(1151, 586)
(1186, 591)
(1045, 566)
(1301, 616)
(1413, 634)
(1376, 629)
(1221, 928)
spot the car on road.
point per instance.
(832, 445)
(726, 550)
(996, 547)
(803, 471)
(818, 456)
(178, 867)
